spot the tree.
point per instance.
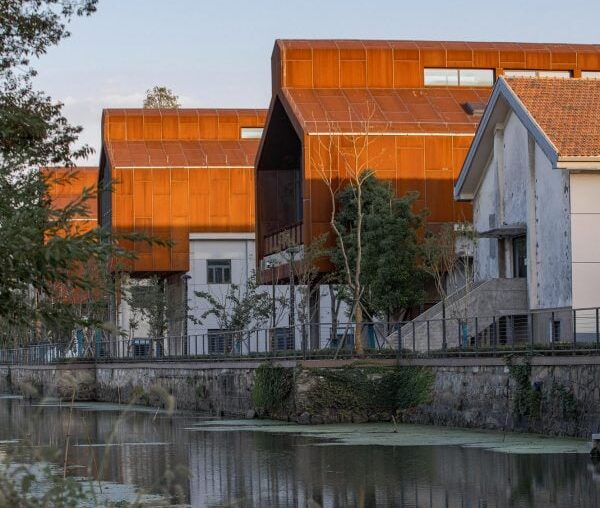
(346, 154)
(147, 300)
(446, 258)
(242, 308)
(390, 273)
(43, 253)
(161, 97)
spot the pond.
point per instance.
(148, 456)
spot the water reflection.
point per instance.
(207, 468)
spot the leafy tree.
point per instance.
(161, 97)
(43, 254)
(242, 308)
(391, 278)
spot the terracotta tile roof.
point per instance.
(182, 153)
(567, 110)
(389, 110)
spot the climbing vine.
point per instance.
(527, 399)
(369, 390)
(272, 388)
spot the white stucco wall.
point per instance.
(535, 196)
(585, 235)
(553, 235)
(485, 216)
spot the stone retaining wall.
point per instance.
(467, 392)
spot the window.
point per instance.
(220, 342)
(555, 330)
(590, 74)
(520, 257)
(251, 132)
(441, 77)
(475, 77)
(532, 73)
(459, 77)
(218, 271)
(282, 339)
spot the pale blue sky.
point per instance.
(217, 53)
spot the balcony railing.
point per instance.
(283, 238)
(546, 332)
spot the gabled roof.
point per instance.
(180, 137)
(385, 110)
(563, 116)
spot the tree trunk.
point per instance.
(358, 335)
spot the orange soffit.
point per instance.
(567, 110)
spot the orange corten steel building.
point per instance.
(66, 185)
(176, 172)
(419, 101)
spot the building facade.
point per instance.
(411, 108)
(533, 176)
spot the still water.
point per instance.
(185, 460)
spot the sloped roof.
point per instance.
(566, 110)
(182, 153)
(389, 110)
(180, 137)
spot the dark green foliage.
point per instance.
(44, 257)
(527, 399)
(391, 277)
(567, 403)
(272, 388)
(370, 390)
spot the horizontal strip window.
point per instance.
(459, 77)
(532, 73)
(251, 132)
(590, 74)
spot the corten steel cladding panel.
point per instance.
(419, 135)
(66, 185)
(400, 64)
(179, 172)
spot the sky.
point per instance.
(217, 53)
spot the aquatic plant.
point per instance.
(272, 388)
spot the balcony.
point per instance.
(283, 238)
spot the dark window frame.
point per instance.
(218, 271)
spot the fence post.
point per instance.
(531, 330)
(428, 343)
(414, 337)
(476, 331)
(399, 351)
(597, 329)
(574, 329)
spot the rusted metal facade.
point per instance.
(176, 172)
(327, 94)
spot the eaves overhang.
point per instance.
(502, 101)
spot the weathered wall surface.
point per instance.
(560, 395)
(67, 381)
